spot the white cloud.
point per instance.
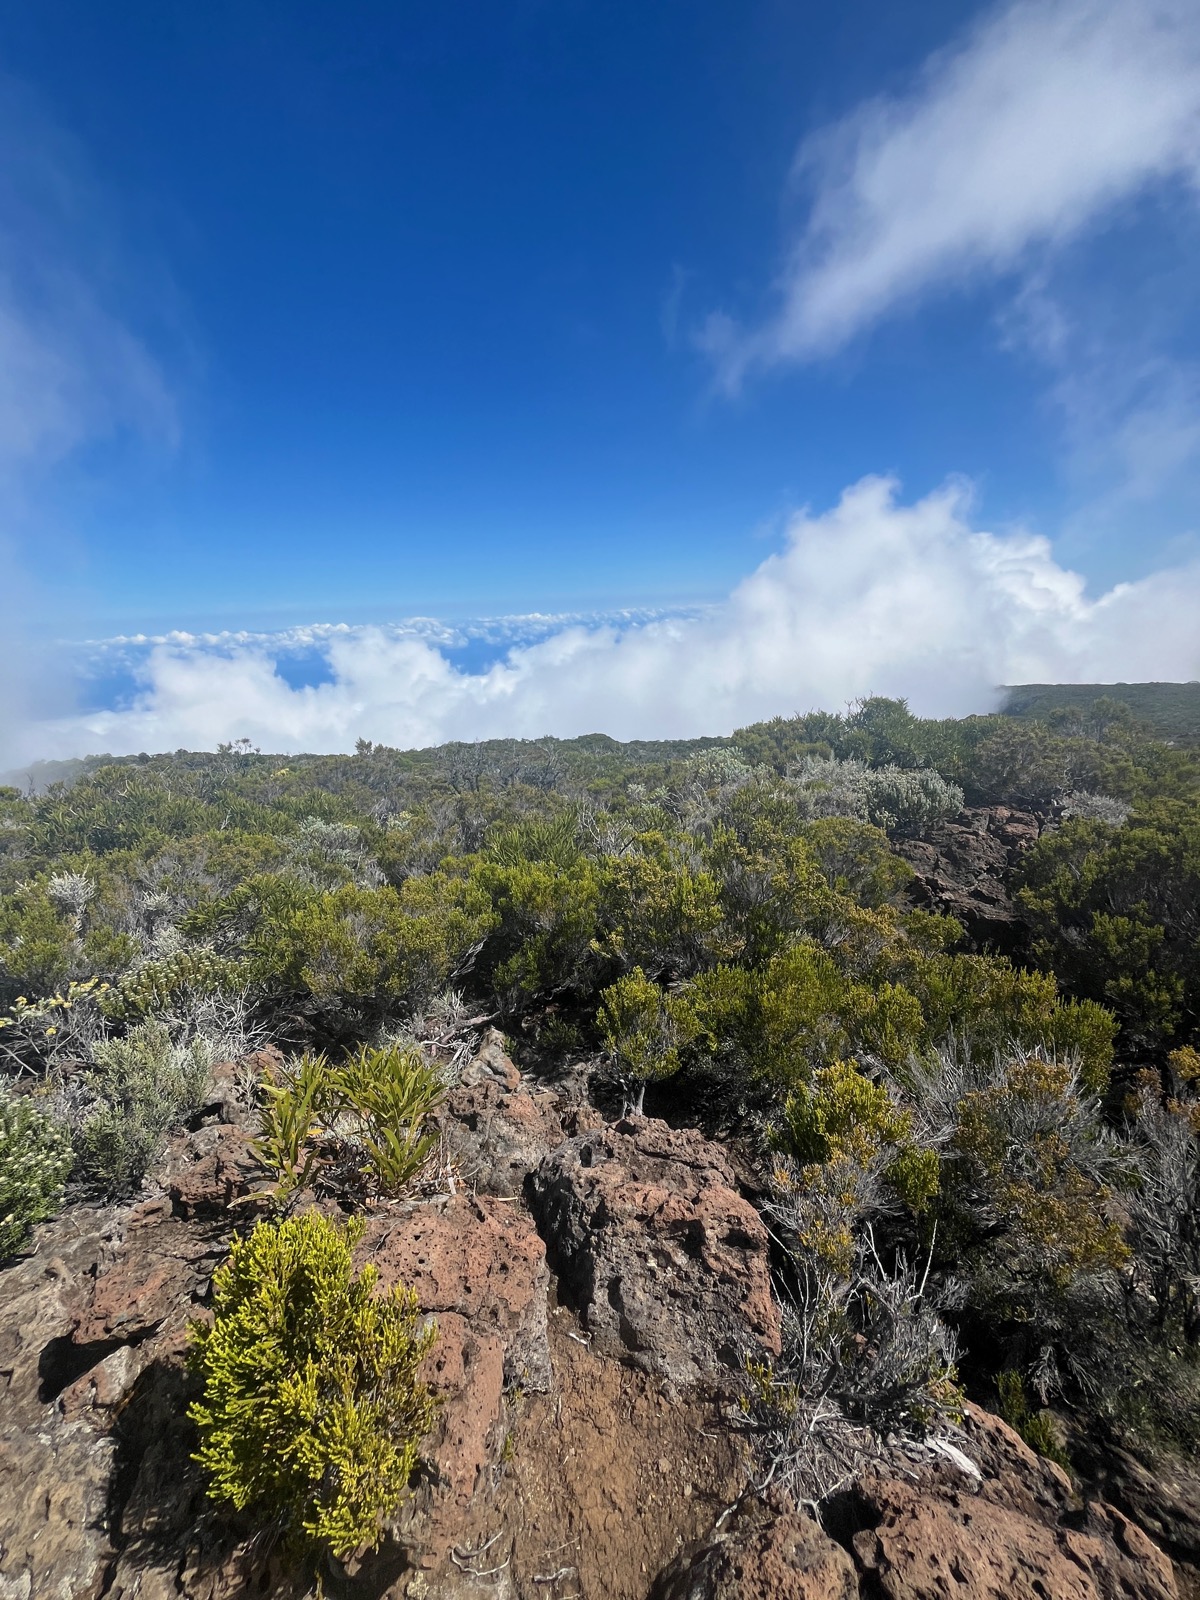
(1044, 116)
(873, 596)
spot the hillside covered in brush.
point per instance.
(921, 997)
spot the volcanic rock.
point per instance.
(666, 1263)
(763, 1552)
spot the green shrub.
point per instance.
(39, 943)
(547, 923)
(312, 1412)
(141, 1086)
(35, 1158)
(157, 985)
(1116, 913)
(1037, 1428)
(642, 1030)
(1034, 1174)
(377, 947)
(289, 1120)
(843, 1117)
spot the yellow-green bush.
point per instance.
(642, 1029)
(379, 946)
(311, 1413)
(842, 1117)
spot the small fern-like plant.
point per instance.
(289, 1120)
(389, 1093)
(312, 1412)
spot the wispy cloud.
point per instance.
(72, 368)
(1037, 122)
(73, 371)
(872, 596)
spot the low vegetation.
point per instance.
(311, 1410)
(982, 1169)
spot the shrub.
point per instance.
(157, 986)
(370, 1111)
(1116, 913)
(39, 944)
(889, 797)
(1034, 1169)
(864, 1355)
(642, 1030)
(546, 911)
(842, 1117)
(1037, 1428)
(384, 1096)
(312, 1412)
(376, 946)
(36, 1034)
(35, 1158)
(289, 1121)
(141, 1086)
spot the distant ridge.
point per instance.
(1171, 711)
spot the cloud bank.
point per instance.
(873, 596)
(1040, 120)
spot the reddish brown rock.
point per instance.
(763, 1552)
(478, 1266)
(1163, 1494)
(1017, 1531)
(924, 1547)
(666, 1263)
(99, 1492)
(212, 1171)
(477, 1258)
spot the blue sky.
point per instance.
(348, 314)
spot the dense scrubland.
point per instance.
(979, 1169)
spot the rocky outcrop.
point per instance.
(666, 1263)
(1001, 1523)
(1162, 1496)
(963, 865)
(479, 1267)
(496, 1126)
(584, 1441)
(94, 1451)
(763, 1552)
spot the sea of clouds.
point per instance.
(874, 596)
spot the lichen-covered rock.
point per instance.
(666, 1263)
(497, 1127)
